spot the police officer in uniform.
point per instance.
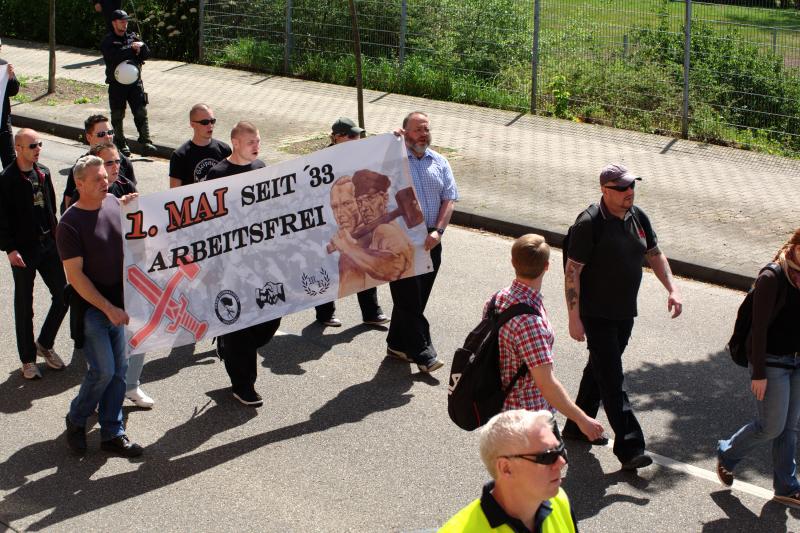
(121, 46)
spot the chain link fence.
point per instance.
(619, 63)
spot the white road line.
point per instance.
(702, 473)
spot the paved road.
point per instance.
(350, 441)
(722, 211)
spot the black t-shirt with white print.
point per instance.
(190, 163)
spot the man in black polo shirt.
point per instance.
(193, 159)
(239, 349)
(608, 245)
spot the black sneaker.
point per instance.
(126, 151)
(251, 398)
(579, 436)
(76, 437)
(148, 148)
(637, 461)
(122, 446)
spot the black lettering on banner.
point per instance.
(320, 176)
(268, 189)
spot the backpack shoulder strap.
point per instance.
(512, 311)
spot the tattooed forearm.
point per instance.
(572, 284)
(654, 252)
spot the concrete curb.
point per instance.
(680, 267)
(461, 217)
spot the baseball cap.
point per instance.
(617, 173)
(119, 14)
(345, 126)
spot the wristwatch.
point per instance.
(440, 231)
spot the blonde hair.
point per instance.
(508, 432)
(84, 163)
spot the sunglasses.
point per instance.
(34, 146)
(102, 134)
(621, 188)
(206, 121)
(547, 458)
(112, 162)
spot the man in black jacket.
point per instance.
(120, 46)
(6, 137)
(27, 224)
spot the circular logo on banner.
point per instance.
(227, 307)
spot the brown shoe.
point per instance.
(31, 371)
(792, 500)
(725, 476)
(50, 357)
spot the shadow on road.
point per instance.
(773, 516)
(71, 490)
(18, 393)
(178, 358)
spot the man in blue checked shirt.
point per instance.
(409, 336)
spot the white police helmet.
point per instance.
(127, 73)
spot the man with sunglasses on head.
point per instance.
(524, 457)
(192, 160)
(608, 244)
(27, 226)
(96, 131)
(6, 134)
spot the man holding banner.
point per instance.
(9, 86)
(409, 337)
(239, 349)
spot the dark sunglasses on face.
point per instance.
(621, 188)
(34, 146)
(102, 134)
(547, 457)
(112, 162)
(206, 121)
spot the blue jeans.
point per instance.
(777, 422)
(104, 384)
(135, 365)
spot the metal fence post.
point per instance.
(201, 31)
(403, 24)
(625, 46)
(287, 45)
(537, 7)
(775, 41)
(687, 43)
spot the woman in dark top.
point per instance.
(774, 354)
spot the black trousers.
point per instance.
(43, 258)
(239, 351)
(409, 330)
(7, 154)
(367, 301)
(603, 381)
(119, 97)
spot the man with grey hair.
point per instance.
(27, 224)
(607, 246)
(89, 238)
(524, 457)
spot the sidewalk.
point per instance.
(720, 213)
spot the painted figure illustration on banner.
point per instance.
(373, 248)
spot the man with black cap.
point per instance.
(122, 46)
(344, 130)
(606, 249)
(6, 136)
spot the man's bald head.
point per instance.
(26, 135)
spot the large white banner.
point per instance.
(3, 82)
(217, 256)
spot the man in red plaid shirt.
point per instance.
(528, 339)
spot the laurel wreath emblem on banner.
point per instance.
(310, 282)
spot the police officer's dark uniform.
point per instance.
(116, 49)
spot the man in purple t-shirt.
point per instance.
(89, 238)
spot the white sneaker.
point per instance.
(140, 398)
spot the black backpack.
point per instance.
(476, 393)
(738, 343)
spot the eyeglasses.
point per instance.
(112, 162)
(34, 146)
(102, 134)
(547, 457)
(621, 188)
(206, 121)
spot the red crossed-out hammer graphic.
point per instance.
(165, 305)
